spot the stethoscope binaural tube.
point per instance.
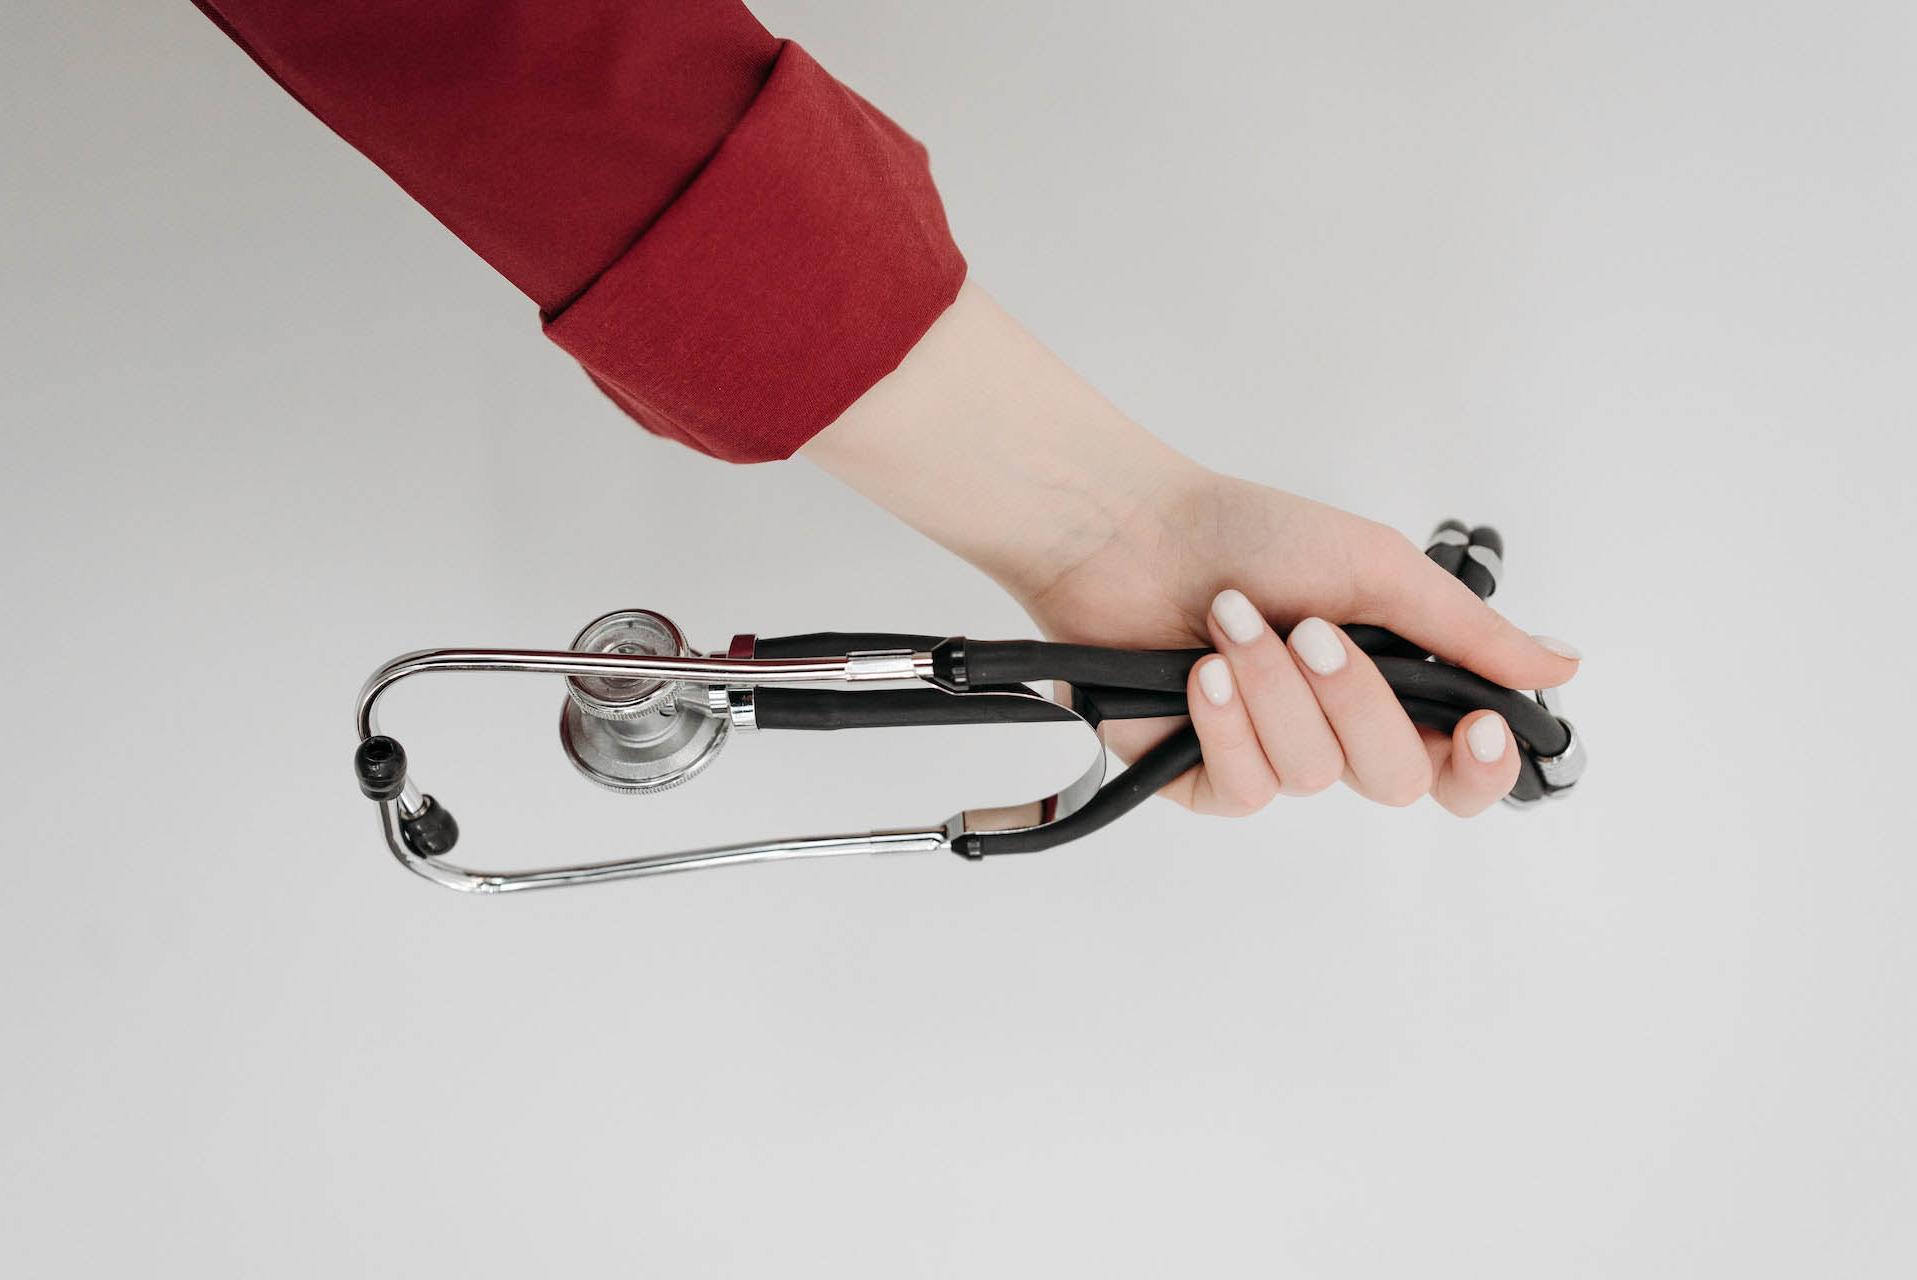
(645, 713)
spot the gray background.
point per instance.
(1635, 281)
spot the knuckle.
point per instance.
(1227, 741)
(1394, 543)
(1245, 806)
(1404, 790)
(1259, 666)
(1232, 804)
(1310, 778)
(1381, 542)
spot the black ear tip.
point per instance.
(380, 764)
(430, 832)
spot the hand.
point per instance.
(987, 443)
(1214, 561)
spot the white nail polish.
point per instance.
(1237, 617)
(1319, 646)
(1486, 738)
(1559, 647)
(1214, 679)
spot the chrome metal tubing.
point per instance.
(742, 674)
(565, 662)
(904, 840)
(696, 669)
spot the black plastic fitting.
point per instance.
(430, 832)
(380, 764)
(1472, 571)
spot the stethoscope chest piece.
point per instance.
(635, 734)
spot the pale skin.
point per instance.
(991, 446)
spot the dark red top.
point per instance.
(732, 243)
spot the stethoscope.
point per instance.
(645, 713)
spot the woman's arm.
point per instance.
(732, 243)
(987, 443)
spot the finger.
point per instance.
(1421, 602)
(1475, 766)
(1302, 750)
(1236, 778)
(1388, 760)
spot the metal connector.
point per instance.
(880, 664)
(1563, 770)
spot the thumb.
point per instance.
(1426, 605)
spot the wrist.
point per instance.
(990, 445)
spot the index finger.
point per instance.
(1427, 606)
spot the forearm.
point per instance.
(732, 243)
(987, 443)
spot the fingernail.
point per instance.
(1559, 647)
(1214, 678)
(1319, 646)
(1237, 617)
(1486, 738)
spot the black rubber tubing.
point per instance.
(1409, 678)
(1164, 670)
(988, 662)
(1536, 727)
(1444, 717)
(827, 709)
(1147, 776)
(1126, 684)
(1475, 575)
(1170, 759)
(1429, 689)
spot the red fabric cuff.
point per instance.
(801, 264)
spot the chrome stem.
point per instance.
(848, 669)
(904, 840)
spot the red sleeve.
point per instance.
(732, 243)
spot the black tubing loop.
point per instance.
(380, 765)
(1148, 775)
(1534, 726)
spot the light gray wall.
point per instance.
(1634, 281)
